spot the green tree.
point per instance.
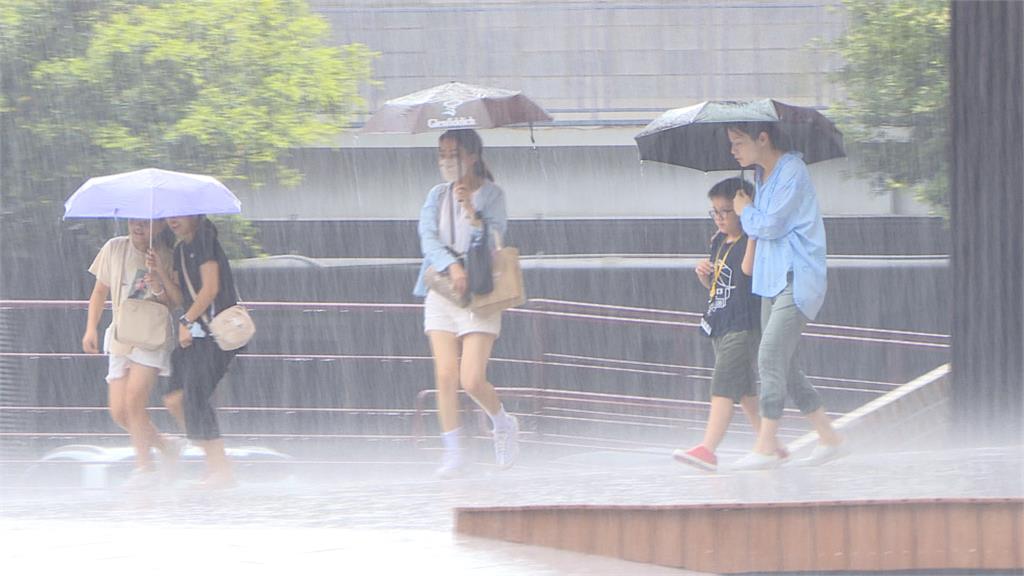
(895, 77)
(214, 86)
(221, 87)
(32, 32)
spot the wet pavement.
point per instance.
(394, 518)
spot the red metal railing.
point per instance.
(612, 411)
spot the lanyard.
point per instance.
(720, 263)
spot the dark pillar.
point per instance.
(987, 218)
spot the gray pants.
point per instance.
(777, 359)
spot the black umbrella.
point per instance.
(455, 105)
(695, 136)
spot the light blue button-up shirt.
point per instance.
(489, 200)
(786, 221)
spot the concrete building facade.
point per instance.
(603, 70)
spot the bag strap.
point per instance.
(191, 289)
(117, 290)
(451, 221)
(450, 198)
(451, 212)
(120, 273)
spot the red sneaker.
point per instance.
(698, 456)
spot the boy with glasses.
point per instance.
(731, 320)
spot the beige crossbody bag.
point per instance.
(231, 328)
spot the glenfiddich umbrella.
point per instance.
(455, 105)
(696, 137)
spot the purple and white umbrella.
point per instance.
(151, 194)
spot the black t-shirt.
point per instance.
(732, 307)
(203, 248)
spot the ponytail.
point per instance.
(481, 169)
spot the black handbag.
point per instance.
(479, 263)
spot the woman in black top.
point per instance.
(199, 364)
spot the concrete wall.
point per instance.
(586, 54)
(604, 70)
(549, 182)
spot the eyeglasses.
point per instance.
(720, 213)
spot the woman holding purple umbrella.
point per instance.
(123, 269)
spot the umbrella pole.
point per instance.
(151, 202)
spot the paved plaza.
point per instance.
(395, 519)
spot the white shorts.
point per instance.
(441, 314)
(117, 364)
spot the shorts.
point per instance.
(735, 374)
(117, 364)
(441, 314)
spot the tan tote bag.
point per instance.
(509, 290)
(140, 323)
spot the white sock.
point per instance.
(501, 420)
(452, 440)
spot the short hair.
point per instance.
(754, 129)
(727, 188)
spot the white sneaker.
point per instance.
(756, 461)
(141, 479)
(506, 444)
(452, 465)
(824, 453)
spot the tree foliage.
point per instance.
(895, 76)
(220, 87)
(214, 86)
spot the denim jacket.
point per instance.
(489, 200)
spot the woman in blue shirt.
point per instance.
(461, 340)
(790, 276)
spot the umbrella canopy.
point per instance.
(455, 105)
(696, 137)
(149, 194)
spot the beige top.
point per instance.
(121, 266)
